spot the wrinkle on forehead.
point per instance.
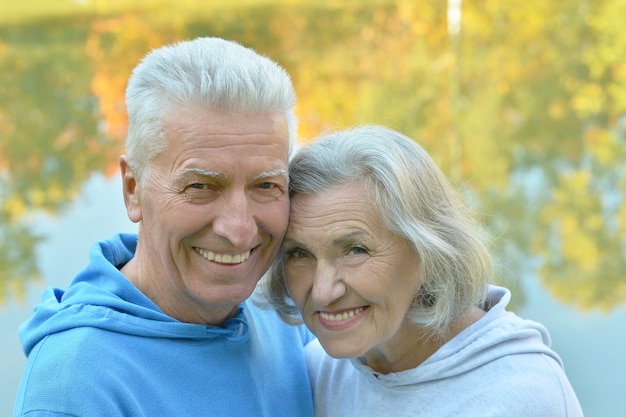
(186, 121)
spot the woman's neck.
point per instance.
(413, 344)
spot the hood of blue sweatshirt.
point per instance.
(101, 296)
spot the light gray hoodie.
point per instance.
(501, 365)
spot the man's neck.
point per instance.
(166, 300)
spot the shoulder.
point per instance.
(71, 372)
(526, 385)
(266, 321)
(323, 368)
(74, 352)
(315, 354)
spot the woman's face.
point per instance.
(352, 279)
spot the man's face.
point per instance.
(213, 212)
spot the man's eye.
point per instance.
(267, 185)
(199, 186)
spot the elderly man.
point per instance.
(158, 324)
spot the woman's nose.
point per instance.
(327, 285)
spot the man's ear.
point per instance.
(130, 189)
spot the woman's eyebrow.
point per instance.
(341, 240)
(292, 243)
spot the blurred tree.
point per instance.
(114, 46)
(17, 260)
(523, 107)
(47, 126)
(49, 115)
(557, 72)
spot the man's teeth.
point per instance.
(340, 316)
(224, 258)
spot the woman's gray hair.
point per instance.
(416, 202)
(209, 73)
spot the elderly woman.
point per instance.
(388, 269)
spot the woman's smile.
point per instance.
(342, 319)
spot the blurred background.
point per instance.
(522, 104)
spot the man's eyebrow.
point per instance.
(205, 173)
(271, 174)
(218, 175)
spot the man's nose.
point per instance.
(236, 221)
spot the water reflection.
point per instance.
(527, 114)
(532, 127)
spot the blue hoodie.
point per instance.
(103, 348)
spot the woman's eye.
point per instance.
(357, 250)
(295, 253)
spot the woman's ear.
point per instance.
(130, 189)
